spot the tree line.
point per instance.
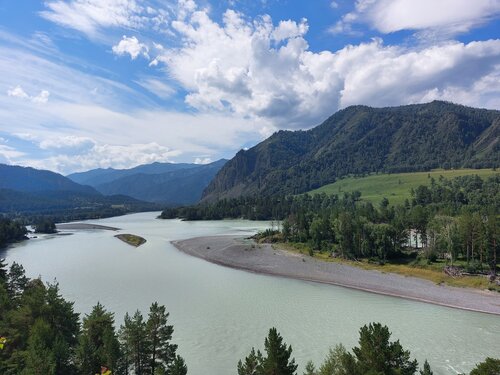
(40, 334)
(449, 219)
(375, 354)
(11, 231)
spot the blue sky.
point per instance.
(117, 83)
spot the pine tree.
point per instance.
(427, 369)
(159, 335)
(277, 361)
(310, 369)
(177, 367)
(98, 342)
(252, 364)
(134, 343)
(39, 357)
(377, 354)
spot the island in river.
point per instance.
(243, 253)
(131, 239)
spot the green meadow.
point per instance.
(395, 187)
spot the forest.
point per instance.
(453, 220)
(11, 231)
(41, 334)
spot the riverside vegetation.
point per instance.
(449, 223)
(41, 334)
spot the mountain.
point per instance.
(101, 176)
(361, 139)
(180, 186)
(25, 190)
(26, 179)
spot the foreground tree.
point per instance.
(377, 355)
(276, 362)
(489, 367)
(160, 335)
(427, 369)
(98, 342)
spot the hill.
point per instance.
(395, 187)
(360, 140)
(100, 176)
(26, 179)
(179, 186)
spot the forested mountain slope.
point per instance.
(359, 140)
(28, 179)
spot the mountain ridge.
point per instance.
(362, 139)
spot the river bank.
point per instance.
(245, 254)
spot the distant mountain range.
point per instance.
(359, 140)
(25, 190)
(100, 176)
(166, 183)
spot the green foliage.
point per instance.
(377, 355)
(98, 344)
(44, 336)
(336, 362)
(310, 369)
(178, 366)
(45, 225)
(427, 369)
(277, 361)
(490, 366)
(11, 231)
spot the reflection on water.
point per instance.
(220, 313)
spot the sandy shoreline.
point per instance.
(84, 226)
(244, 254)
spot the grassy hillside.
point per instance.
(395, 187)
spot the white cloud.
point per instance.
(131, 46)
(105, 156)
(9, 154)
(255, 69)
(70, 142)
(157, 87)
(90, 16)
(334, 4)
(43, 97)
(18, 92)
(202, 161)
(446, 17)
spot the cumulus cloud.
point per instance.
(254, 68)
(18, 92)
(68, 142)
(131, 46)
(103, 156)
(65, 154)
(446, 17)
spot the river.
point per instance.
(219, 313)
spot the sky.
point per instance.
(116, 83)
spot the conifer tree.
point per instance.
(98, 342)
